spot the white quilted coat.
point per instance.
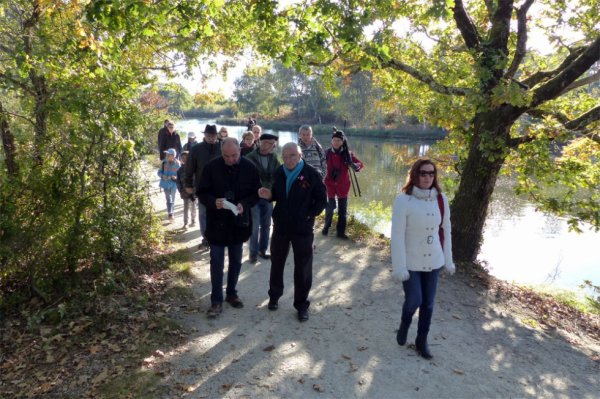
(415, 241)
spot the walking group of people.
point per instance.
(235, 185)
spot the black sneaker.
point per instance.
(252, 259)
(264, 255)
(325, 232)
(343, 236)
(302, 315)
(273, 305)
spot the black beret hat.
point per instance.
(268, 136)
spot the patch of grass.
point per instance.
(179, 290)
(181, 262)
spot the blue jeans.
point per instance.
(202, 217)
(261, 227)
(217, 264)
(419, 293)
(170, 196)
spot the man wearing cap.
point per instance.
(299, 195)
(266, 162)
(191, 136)
(169, 140)
(200, 155)
(228, 189)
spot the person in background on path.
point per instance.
(161, 133)
(222, 133)
(200, 155)
(170, 140)
(256, 131)
(421, 245)
(299, 195)
(168, 176)
(251, 123)
(312, 152)
(339, 160)
(266, 163)
(247, 144)
(234, 179)
(189, 200)
(191, 136)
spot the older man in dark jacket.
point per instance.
(229, 189)
(300, 196)
(200, 155)
(169, 139)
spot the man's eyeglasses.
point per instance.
(426, 173)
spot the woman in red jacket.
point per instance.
(339, 160)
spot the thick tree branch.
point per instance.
(500, 30)
(584, 120)
(582, 82)
(466, 26)
(553, 87)
(423, 77)
(521, 48)
(543, 75)
(578, 125)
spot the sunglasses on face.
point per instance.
(426, 173)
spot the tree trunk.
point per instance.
(41, 115)
(470, 205)
(8, 143)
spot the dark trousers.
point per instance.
(303, 258)
(419, 293)
(342, 214)
(217, 264)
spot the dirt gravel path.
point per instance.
(483, 347)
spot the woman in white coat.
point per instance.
(421, 246)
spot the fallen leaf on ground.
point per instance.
(269, 348)
(459, 372)
(318, 388)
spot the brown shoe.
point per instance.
(235, 302)
(214, 310)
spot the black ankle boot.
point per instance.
(402, 333)
(423, 348)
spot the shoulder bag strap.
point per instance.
(440, 201)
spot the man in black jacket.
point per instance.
(200, 155)
(228, 189)
(170, 139)
(300, 196)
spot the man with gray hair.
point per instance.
(228, 189)
(312, 151)
(300, 196)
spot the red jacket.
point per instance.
(337, 180)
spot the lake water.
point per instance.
(519, 244)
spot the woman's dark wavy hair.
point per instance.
(413, 176)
